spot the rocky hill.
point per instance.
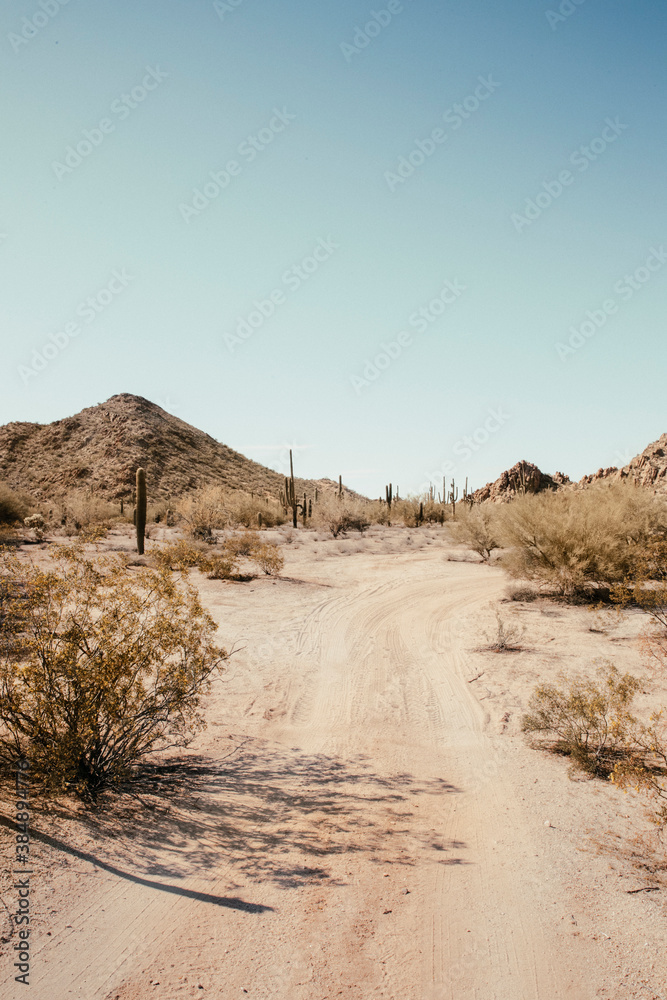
(101, 447)
(524, 477)
(648, 469)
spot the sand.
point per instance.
(362, 816)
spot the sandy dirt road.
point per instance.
(352, 826)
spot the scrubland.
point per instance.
(427, 762)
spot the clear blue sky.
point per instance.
(336, 130)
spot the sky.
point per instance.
(409, 239)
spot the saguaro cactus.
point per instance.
(389, 494)
(453, 497)
(141, 510)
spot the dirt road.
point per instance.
(352, 826)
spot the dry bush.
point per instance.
(572, 539)
(249, 545)
(180, 555)
(219, 567)
(592, 725)
(245, 510)
(204, 511)
(586, 721)
(244, 544)
(223, 564)
(521, 592)
(477, 527)
(14, 507)
(35, 523)
(407, 511)
(507, 636)
(81, 511)
(341, 515)
(98, 667)
(269, 558)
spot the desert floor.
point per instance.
(362, 817)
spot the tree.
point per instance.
(99, 666)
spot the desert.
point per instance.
(364, 814)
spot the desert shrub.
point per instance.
(507, 635)
(587, 721)
(36, 523)
(81, 511)
(521, 592)
(476, 527)
(180, 555)
(571, 539)
(341, 515)
(219, 567)
(245, 510)
(98, 667)
(592, 724)
(204, 511)
(244, 544)
(249, 545)
(269, 558)
(223, 564)
(406, 511)
(13, 507)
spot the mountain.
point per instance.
(648, 469)
(101, 448)
(522, 477)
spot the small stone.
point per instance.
(547, 822)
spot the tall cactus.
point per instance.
(389, 494)
(290, 491)
(141, 510)
(453, 497)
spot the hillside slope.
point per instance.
(647, 469)
(101, 447)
